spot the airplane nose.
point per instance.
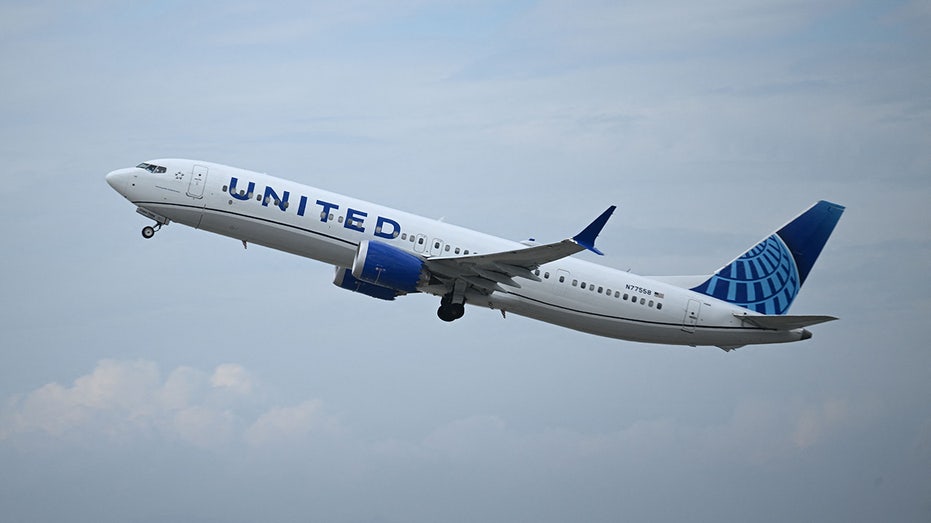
(119, 180)
(113, 179)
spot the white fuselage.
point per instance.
(314, 223)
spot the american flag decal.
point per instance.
(659, 295)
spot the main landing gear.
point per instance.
(451, 312)
(452, 307)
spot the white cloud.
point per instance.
(121, 389)
(121, 400)
(232, 377)
(204, 427)
(117, 400)
(181, 388)
(291, 426)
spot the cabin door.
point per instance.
(692, 312)
(195, 188)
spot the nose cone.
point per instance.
(120, 180)
(113, 179)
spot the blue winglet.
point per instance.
(587, 237)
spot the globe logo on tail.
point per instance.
(765, 279)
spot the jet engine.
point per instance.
(345, 280)
(386, 266)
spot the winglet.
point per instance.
(586, 238)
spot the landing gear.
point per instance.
(148, 231)
(451, 310)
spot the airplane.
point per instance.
(385, 253)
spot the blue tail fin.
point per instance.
(767, 278)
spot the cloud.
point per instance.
(291, 425)
(122, 400)
(113, 387)
(232, 377)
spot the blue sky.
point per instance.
(187, 378)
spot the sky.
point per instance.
(185, 378)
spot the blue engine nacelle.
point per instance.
(345, 280)
(386, 266)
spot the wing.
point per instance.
(487, 272)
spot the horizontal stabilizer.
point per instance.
(783, 323)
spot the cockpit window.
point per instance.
(157, 169)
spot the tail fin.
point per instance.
(767, 278)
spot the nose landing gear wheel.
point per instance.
(148, 231)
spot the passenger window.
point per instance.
(626, 296)
(617, 294)
(404, 236)
(436, 245)
(583, 284)
(642, 301)
(447, 248)
(562, 279)
(536, 272)
(419, 240)
(546, 275)
(340, 220)
(659, 306)
(600, 289)
(457, 250)
(225, 188)
(465, 251)
(575, 282)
